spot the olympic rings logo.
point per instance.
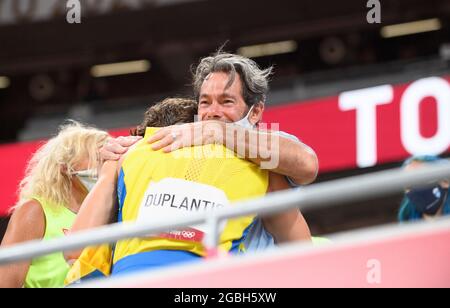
(188, 234)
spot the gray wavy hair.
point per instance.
(255, 81)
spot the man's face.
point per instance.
(224, 104)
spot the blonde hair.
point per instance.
(48, 173)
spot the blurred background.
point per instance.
(128, 54)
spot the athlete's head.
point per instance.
(169, 112)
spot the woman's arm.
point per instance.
(26, 224)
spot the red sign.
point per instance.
(372, 126)
(359, 128)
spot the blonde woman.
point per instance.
(58, 178)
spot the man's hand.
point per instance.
(114, 148)
(176, 137)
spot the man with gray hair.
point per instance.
(231, 91)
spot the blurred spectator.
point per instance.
(58, 178)
(425, 202)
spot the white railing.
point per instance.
(314, 196)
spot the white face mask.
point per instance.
(87, 177)
(245, 122)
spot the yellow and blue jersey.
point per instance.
(94, 262)
(185, 181)
(155, 186)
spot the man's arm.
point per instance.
(99, 206)
(280, 154)
(288, 226)
(268, 150)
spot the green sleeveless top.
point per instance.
(51, 270)
(317, 241)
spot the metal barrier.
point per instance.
(396, 255)
(314, 196)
